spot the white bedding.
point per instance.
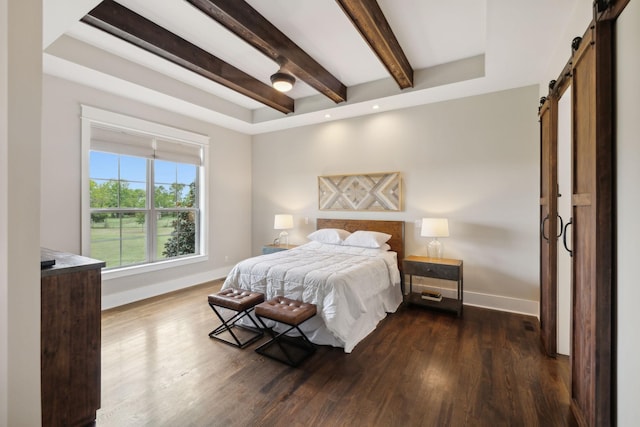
(353, 288)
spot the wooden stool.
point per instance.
(242, 302)
(292, 350)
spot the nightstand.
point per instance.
(269, 249)
(437, 268)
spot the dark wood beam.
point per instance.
(368, 18)
(244, 21)
(121, 22)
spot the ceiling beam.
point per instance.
(248, 24)
(121, 22)
(368, 18)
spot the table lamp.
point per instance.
(434, 228)
(283, 222)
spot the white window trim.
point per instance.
(92, 115)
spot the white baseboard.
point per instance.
(493, 302)
(138, 294)
(497, 302)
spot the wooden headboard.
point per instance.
(395, 228)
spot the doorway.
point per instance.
(564, 212)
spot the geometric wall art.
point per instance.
(370, 192)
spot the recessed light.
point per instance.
(327, 116)
(375, 106)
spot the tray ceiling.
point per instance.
(455, 48)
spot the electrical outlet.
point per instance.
(226, 258)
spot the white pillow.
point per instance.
(334, 236)
(367, 239)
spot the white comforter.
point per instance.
(353, 288)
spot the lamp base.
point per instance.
(284, 238)
(435, 249)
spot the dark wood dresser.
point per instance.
(70, 339)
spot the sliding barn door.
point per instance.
(548, 223)
(592, 222)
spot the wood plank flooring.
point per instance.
(418, 368)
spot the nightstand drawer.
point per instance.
(438, 271)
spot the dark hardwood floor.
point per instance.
(418, 368)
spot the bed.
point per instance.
(354, 287)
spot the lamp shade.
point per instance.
(435, 227)
(283, 222)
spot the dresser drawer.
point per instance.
(438, 271)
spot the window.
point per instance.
(144, 192)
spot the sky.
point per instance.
(104, 166)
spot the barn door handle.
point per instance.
(561, 227)
(564, 238)
(542, 227)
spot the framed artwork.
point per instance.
(370, 192)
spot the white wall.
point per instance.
(229, 188)
(628, 206)
(473, 160)
(20, 97)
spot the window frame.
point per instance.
(94, 116)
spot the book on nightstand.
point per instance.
(431, 296)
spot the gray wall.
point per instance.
(628, 230)
(229, 188)
(20, 97)
(472, 160)
(4, 203)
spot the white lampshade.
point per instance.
(283, 222)
(435, 227)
